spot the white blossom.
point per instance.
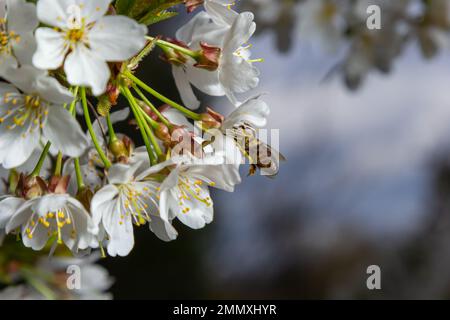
(36, 115)
(184, 194)
(57, 215)
(84, 39)
(18, 20)
(128, 199)
(236, 72)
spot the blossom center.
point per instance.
(54, 222)
(189, 190)
(244, 53)
(18, 111)
(6, 39)
(135, 204)
(75, 35)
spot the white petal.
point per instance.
(121, 236)
(117, 38)
(254, 112)
(54, 13)
(24, 78)
(177, 118)
(83, 68)
(241, 31)
(198, 215)
(206, 81)
(51, 49)
(16, 146)
(220, 12)
(51, 90)
(184, 88)
(8, 207)
(100, 202)
(22, 214)
(65, 132)
(162, 229)
(122, 173)
(93, 10)
(21, 16)
(25, 49)
(8, 64)
(238, 75)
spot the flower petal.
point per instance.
(8, 207)
(117, 38)
(253, 112)
(163, 229)
(206, 81)
(25, 48)
(64, 132)
(184, 88)
(220, 12)
(21, 16)
(84, 68)
(100, 202)
(51, 49)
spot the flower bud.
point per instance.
(119, 149)
(209, 57)
(148, 110)
(211, 119)
(163, 133)
(191, 5)
(85, 196)
(104, 106)
(113, 93)
(173, 56)
(58, 184)
(31, 187)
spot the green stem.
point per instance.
(40, 286)
(184, 110)
(58, 167)
(37, 169)
(80, 183)
(135, 108)
(154, 109)
(112, 134)
(186, 51)
(72, 109)
(87, 117)
(150, 132)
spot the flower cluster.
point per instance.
(342, 25)
(66, 61)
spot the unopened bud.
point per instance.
(208, 58)
(173, 56)
(119, 149)
(211, 119)
(163, 133)
(113, 93)
(104, 106)
(85, 196)
(147, 110)
(58, 184)
(31, 187)
(191, 5)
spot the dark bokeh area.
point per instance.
(367, 182)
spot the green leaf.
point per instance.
(152, 17)
(159, 13)
(147, 11)
(123, 7)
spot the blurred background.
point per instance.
(364, 120)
